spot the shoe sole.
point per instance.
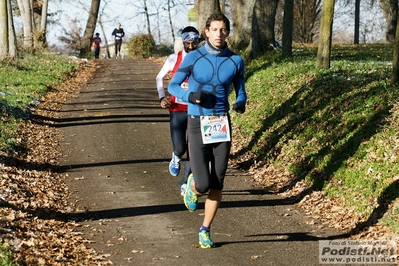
(207, 246)
(172, 174)
(203, 245)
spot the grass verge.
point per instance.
(5, 256)
(23, 80)
(333, 131)
(306, 130)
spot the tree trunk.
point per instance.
(104, 38)
(395, 62)
(241, 12)
(391, 13)
(3, 29)
(263, 26)
(26, 14)
(147, 17)
(287, 27)
(37, 14)
(90, 27)
(12, 39)
(253, 26)
(104, 35)
(39, 22)
(170, 22)
(204, 9)
(32, 16)
(324, 48)
(43, 22)
(357, 21)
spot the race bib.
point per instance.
(215, 128)
(180, 101)
(184, 86)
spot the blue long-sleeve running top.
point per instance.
(213, 71)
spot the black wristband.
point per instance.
(160, 100)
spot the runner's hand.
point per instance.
(198, 96)
(165, 102)
(239, 107)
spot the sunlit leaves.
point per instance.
(34, 197)
(317, 128)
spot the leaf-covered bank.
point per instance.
(327, 139)
(36, 222)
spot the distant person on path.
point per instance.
(177, 108)
(96, 41)
(118, 34)
(211, 70)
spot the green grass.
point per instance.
(337, 129)
(22, 81)
(5, 256)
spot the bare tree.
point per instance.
(324, 48)
(72, 37)
(147, 15)
(159, 6)
(3, 29)
(40, 8)
(25, 9)
(90, 28)
(170, 20)
(43, 22)
(307, 18)
(100, 23)
(357, 21)
(12, 39)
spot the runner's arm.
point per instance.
(166, 68)
(239, 83)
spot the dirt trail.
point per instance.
(116, 144)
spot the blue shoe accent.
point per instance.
(174, 165)
(205, 239)
(190, 198)
(183, 189)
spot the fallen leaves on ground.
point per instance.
(35, 214)
(329, 211)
